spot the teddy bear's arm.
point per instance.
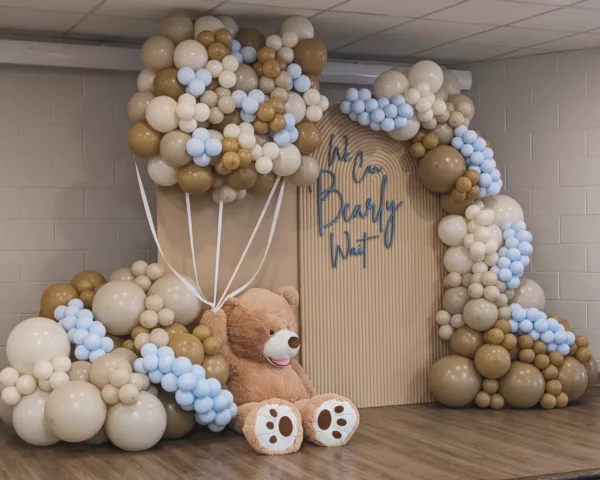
(310, 389)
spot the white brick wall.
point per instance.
(542, 117)
(68, 197)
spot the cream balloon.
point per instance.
(122, 274)
(300, 25)
(157, 53)
(451, 84)
(452, 230)
(162, 173)
(160, 114)
(288, 161)
(172, 148)
(480, 314)
(406, 133)
(177, 28)
(207, 22)
(136, 107)
(29, 420)
(296, 106)
(177, 297)
(230, 24)
(118, 305)
(496, 234)
(127, 354)
(101, 368)
(444, 132)
(33, 340)
(80, 371)
(428, 72)
(138, 426)
(145, 80)
(190, 53)
(458, 259)
(75, 411)
(390, 84)
(507, 209)
(529, 295)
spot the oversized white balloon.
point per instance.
(230, 24)
(138, 426)
(288, 161)
(177, 297)
(507, 209)
(208, 22)
(118, 305)
(452, 230)
(529, 295)
(296, 106)
(406, 133)
(145, 81)
(160, 114)
(161, 172)
(190, 53)
(178, 27)
(390, 84)
(157, 53)
(75, 411)
(136, 107)
(300, 25)
(29, 420)
(33, 340)
(458, 259)
(427, 71)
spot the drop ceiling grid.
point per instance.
(391, 30)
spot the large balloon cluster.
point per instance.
(112, 364)
(223, 108)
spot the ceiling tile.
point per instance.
(158, 9)
(312, 4)
(515, 37)
(39, 20)
(521, 52)
(589, 4)
(574, 42)
(558, 3)
(337, 29)
(463, 52)
(76, 6)
(119, 27)
(399, 8)
(568, 19)
(490, 12)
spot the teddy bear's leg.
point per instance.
(272, 427)
(237, 424)
(329, 420)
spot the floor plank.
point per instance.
(425, 442)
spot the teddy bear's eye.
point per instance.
(271, 332)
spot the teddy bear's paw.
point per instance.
(335, 422)
(277, 429)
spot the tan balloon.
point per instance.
(492, 361)
(308, 172)
(157, 53)
(102, 367)
(54, 296)
(87, 280)
(454, 300)
(166, 83)
(250, 37)
(480, 314)
(178, 298)
(242, 179)
(172, 148)
(136, 107)
(574, 378)
(440, 168)
(454, 381)
(591, 367)
(118, 305)
(195, 180)
(174, 329)
(311, 55)
(309, 138)
(463, 104)
(444, 132)
(127, 354)
(523, 385)
(80, 371)
(177, 28)
(465, 341)
(263, 184)
(216, 367)
(123, 274)
(143, 140)
(247, 78)
(187, 345)
(452, 207)
(179, 422)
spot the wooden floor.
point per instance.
(413, 442)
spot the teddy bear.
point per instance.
(277, 404)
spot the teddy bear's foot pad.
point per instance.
(277, 430)
(335, 422)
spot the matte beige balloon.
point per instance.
(75, 411)
(480, 314)
(127, 354)
(390, 84)
(102, 367)
(463, 104)
(136, 107)
(451, 83)
(139, 426)
(157, 53)
(80, 371)
(161, 172)
(492, 361)
(574, 378)
(440, 168)
(177, 28)
(179, 422)
(444, 132)
(454, 300)
(118, 305)
(123, 274)
(591, 367)
(523, 385)
(172, 148)
(529, 295)
(247, 78)
(465, 341)
(29, 420)
(178, 298)
(308, 172)
(454, 381)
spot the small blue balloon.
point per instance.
(476, 158)
(249, 54)
(524, 260)
(391, 111)
(150, 362)
(526, 326)
(223, 418)
(400, 122)
(551, 347)
(514, 326)
(213, 427)
(250, 105)
(525, 248)
(258, 94)
(181, 365)
(487, 166)
(79, 336)
(525, 236)
(294, 135)
(494, 188)
(107, 344)
(203, 405)
(504, 274)
(149, 349)
(364, 119)
(503, 251)
(138, 365)
(510, 242)
(405, 110)
(155, 376)
(541, 325)
(535, 335)
(73, 309)
(59, 312)
(239, 96)
(364, 94)
(517, 268)
(358, 107)
(513, 283)
(202, 161)
(371, 104)
(560, 337)
(495, 269)
(228, 395)
(69, 322)
(187, 408)
(296, 71)
(201, 134)
(353, 116)
(376, 127)
(84, 323)
(383, 102)
(233, 409)
(496, 175)
(290, 120)
(479, 144)
(199, 371)
(92, 342)
(214, 387)
(302, 84)
(398, 100)
(220, 402)
(488, 153)
(519, 226)
(519, 314)
(165, 363)
(185, 75)
(461, 130)
(457, 142)
(377, 115)
(553, 324)
(184, 398)
(466, 150)
(195, 147)
(205, 418)
(166, 351)
(70, 334)
(485, 179)
(96, 354)
(470, 136)
(238, 56)
(187, 382)
(547, 337)
(282, 138)
(563, 348)
(513, 254)
(249, 117)
(82, 353)
(235, 46)
(213, 147)
(169, 382)
(98, 328)
(204, 76)
(196, 87)
(387, 125)
(202, 388)
(351, 93)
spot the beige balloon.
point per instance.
(75, 411)
(247, 78)
(157, 53)
(529, 295)
(177, 28)
(463, 104)
(136, 107)
(492, 361)
(161, 172)
(574, 378)
(118, 305)
(454, 300)
(179, 422)
(389, 84)
(172, 148)
(102, 367)
(139, 426)
(591, 367)
(177, 297)
(523, 385)
(465, 341)
(307, 173)
(29, 420)
(454, 381)
(444, 132)
(480, 314)
(127, 354)
(80, 371)
(123, 274)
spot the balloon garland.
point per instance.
(506, 349)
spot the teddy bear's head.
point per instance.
(260, 326)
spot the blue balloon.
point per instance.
(282, 138)
(149, 349)
(184, 398)
(504, 274)
(364, 119)
(295, 71)
(235, 46)
(519, 226)
(202, 161)
(195, 147)
(364, 94)
(165, 363)
(457, 142)
(302, 85)
(400, 122)
(517, 268)
(564, 349)
(375, 126)
(228, 395)
(69, 322)
(92, 342)
(71, 334)
(377, 115)
(391, 111)
(249, 54)
(495, 175)
(258, 94)
(470, 136)
(526, 326)
(525, 261)
(59, 312)
(82, 353)
(503, 262)
(213, 147)
(107, 344)
(461, 130)
(223, 418)
(524, 236)
(514, 326)
(185, 75)
(570, 338)
(405, 110)
(560, 337)
(476, 158)
(488, 153)
(155, 376)
(513, 283)
(203, 404)
(150, 362)
(290, 120)
(551, 347)
(541, 325)
(138, 365)
(553, 324)
(351, 93)
(479, 144)
(513, 254)
(169, 382)
(383, 102)
(181, 365)
(220, 402)
(97, 328)
(518, 313)
(250, 117)
(72, 310)
(84, 322)
(196, 87)
(201, 134)
(202, 388)
(187, 382)
(205, 418)
(466, 150)
(239, 96)
(525, 248)
(250, 105)
(353, 117)
(535, 335)
(358, 107)
(79, 336)
(547, 337)
(398, 100)
(214, 387)
(233, 409)
(96, 354)
(494, 188)
(166, 351)
(371, 104)
(238, 56)
(485, 179)
(388, 125)
(294, 134)
(204, 76)
(199, 371)
(488, 165)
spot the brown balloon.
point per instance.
(554, 387)
(230, 161)
(206, 38)
(307, 173)
(440, 168)
(143, 140)
(556, 358)
(202, 332)
(495, 336)
(247, 78)
(250, 37)
(242, 179)
(245, 157)
(417, 150)
(309, 138)
(195, 180)
(216, 367)
(550, 372)
(548, 401)
(224, 36)
(583, 354)
(591, 367)
(542, 361)
(135, 331)
(490, 386)
(179, 422)
(271, 69)
(54, 296)
(574, 378)
(87, 297)
(260, 127)
(174, 329)
(311, 55)
(263, 184)
(212, 345)
(581, 341)
(430, 140)
(527, 355)
(492, 361)
(452, 207)
(278, 123)
(523, 385)
(454, 381)
(217, 51)
(483, 399)
(463, 184)
(497, 402)
(266, 112)
(539, 347)
(187, 345)
(525, 341)
(166, 83)
(92, 277)
(473, 176)
(509, 342)
(465, 342)
(562, 400)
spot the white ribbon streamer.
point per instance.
(218, 254)
(191, 232)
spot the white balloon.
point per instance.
(389, 84)
(507, 209)
(288, 161)
(452, 230)
(408, 132)
(178, 27)
(458, 259)
(426, 71)
(177, 297)
(300, 25)
(446, 332)
(190, 53)
(296, 106)
(161, 172)
(230, 24)
(451, 85)
(161, 114)
(208, 22)
(496, 234)
(529, 295)
(118, 305)
(145, 81)
(29, 420)
(35, 339)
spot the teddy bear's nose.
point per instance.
(294, 342)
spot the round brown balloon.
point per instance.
(473, 176)
(417, 150)
(509, 342)
(483, 399)
(128, 344)
(117, 341)
(562, 400)
(187, 345)
(465, 341)
(217, 51)
(497, 402)
(230, 161)
(166, 83)
(250, 37)
(245, 157)
(247, 78)
(525, 341)
(463, 184)
(581, 340)
(492, 361)
(242, 179)
(548, 401)
(474, 192)
(454, 381)
(266, 112)
(495, 336)
(212, 345)
(553, 386)
(591, 367)
(87, 297)
(263, 184)
(307, 173)
(523, 385)
(574, 378)
(271, 69)
(224, 36)
(265, 54)
(206, 38)
(311, 55)
(490, 386)
(216, 367)
(195, 180)
(550, 372)
(143, 140)
(556, 358)
(539, 347)
(179, 422)
(451, 207)
(583, 354)
(202, 332)
(458, 196)
(174, 329)
(278, 123)
(430, 140)
(135, 331)
(527, 355)
(542, 361)
(54, 296)
(309, 138)
(440, 168)
(230, 145)
(82, 280)
(277, 105)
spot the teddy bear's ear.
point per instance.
(291, 295)
(229, 305)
